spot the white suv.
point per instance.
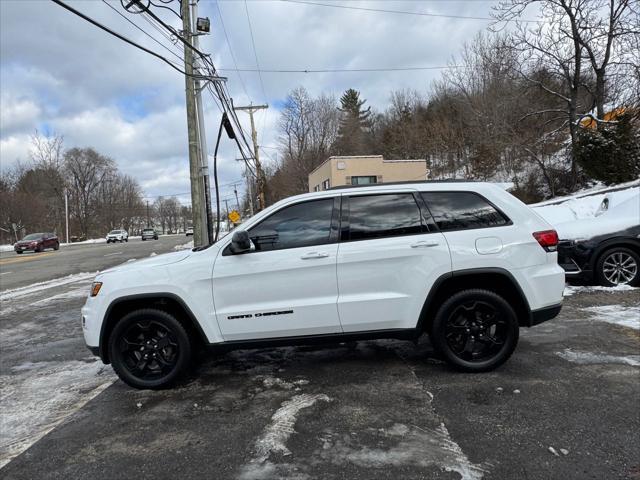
(117, 236)
(466, 263)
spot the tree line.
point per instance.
(547, 106)
(99, 197)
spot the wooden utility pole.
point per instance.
(195, 160)
(261, 179)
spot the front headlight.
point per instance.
(95, 288)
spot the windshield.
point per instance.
(33, 236)
(114, 232)
(148, 230)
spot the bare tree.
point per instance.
(86, 169)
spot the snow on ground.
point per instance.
(617, 315)
(584, 215)
(573, 289)
(36, 287)
(588, 358)
(28, 415)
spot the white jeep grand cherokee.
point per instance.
(466, 263)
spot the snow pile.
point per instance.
(591, 213)
(186, 246)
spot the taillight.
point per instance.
(548, 239)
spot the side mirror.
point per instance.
(240, 242)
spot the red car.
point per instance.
(37, 242)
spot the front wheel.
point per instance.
(56, 246)
(475, 330)
(149, 349)
(619, 266)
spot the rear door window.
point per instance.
(386, 215)
(462, 211)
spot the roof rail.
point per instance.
(413, 182)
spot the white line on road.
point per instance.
(110, 254)
(5, 273)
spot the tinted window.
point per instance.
(375, 216)
(299, 225)
(462, 210)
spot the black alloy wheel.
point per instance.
(149, 349)
(619, 266)
(475, 330)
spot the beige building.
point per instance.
(365, 169)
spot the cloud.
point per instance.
(97, 91)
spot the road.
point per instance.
(28, 268)
(564, 406)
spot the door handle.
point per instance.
(311, 255)
(425, 244)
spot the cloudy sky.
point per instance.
(60, 74)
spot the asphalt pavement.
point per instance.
(28, 268)
(564, 406)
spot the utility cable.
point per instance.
(119, 36)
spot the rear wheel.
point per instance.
(475, 330)
(618, 266)
(149, 349)
(39, 249)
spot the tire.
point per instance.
(143, 239)
(39, 249)
(19, 253)
(144, 328)
(126, 240)
(475, 347)
(618, 266)
(56, 246)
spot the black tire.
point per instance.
(39, 249)
(475, 347)
(126, 240)
(621, 256)
(56, 246)
(143, 239)
(19, 252)
(146, 329)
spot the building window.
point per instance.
(326, 184)
(316, 188)
(364, 180)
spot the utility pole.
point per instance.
(226, 206)
(66, 213)
(235, 191)
(148, 217)
(261, 180)
(200, 235)
(248, 176)
(204, 158)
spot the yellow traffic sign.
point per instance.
(234, 216)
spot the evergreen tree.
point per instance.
(355, 123)
(611, 153)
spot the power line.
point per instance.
(117, 35)
(399, 12)
(255, 53)
(342, 70)
(233, 57)
(143, 31)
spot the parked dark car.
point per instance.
(610, 259)
(37, 242)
